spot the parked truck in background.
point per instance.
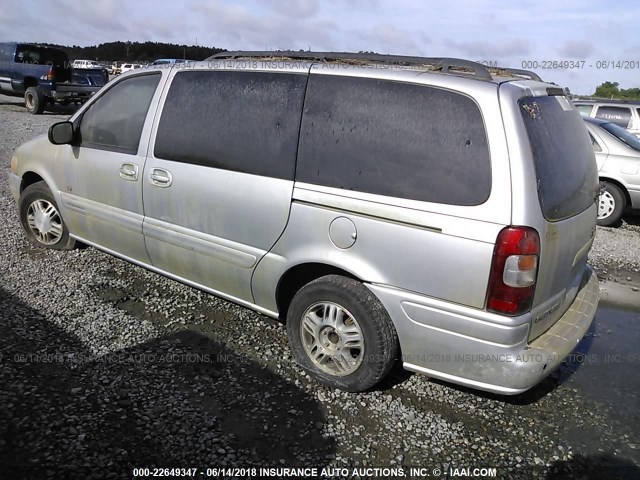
(44, 75)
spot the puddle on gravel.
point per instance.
(198, 317)
(35, 253)
(620, 295)
(609, 358)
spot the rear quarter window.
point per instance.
(394, 139)
(7, 52)
(567, 176)
(594, 144)
(621, 116)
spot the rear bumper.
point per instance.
(481, 350)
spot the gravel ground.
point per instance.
(105, 366)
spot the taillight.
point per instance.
(514, 269)
(50, 75)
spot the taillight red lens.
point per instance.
(51, 75)
(514, 269)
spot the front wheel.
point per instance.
(41, 219)
(341, 334)
(611, 205)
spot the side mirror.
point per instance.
(61, 133)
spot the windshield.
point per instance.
(623, 135)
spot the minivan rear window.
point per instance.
(565, 164)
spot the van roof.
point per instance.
(611, 101)
(452, 66)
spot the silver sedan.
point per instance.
(618, 156)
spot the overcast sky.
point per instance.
(509, 32)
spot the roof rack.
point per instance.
(521, 73)
(454, 66)
(445, 65)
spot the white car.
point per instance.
(85, 64)
(129, 66)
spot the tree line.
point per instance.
(135, 52)
(613, 90)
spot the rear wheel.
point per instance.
(34, 100)
(341, 334)
(611, 204)
(41, 219)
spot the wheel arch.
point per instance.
(300, 275)
(617, 183)
(30, 82)
(29, 178)
(35, 175)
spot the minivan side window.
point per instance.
(618, 115)
(395, 139)
(246, 122)
(584, 110)
(115, 121)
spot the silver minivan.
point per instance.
(428, 211)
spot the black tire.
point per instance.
(34, 100)
(611, 205)
(361, 311)
(38, 197)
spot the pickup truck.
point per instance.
(44, 75)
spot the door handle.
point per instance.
(161, 177)
(129, 171)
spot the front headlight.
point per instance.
(14, 164)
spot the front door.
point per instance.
(102, 189)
